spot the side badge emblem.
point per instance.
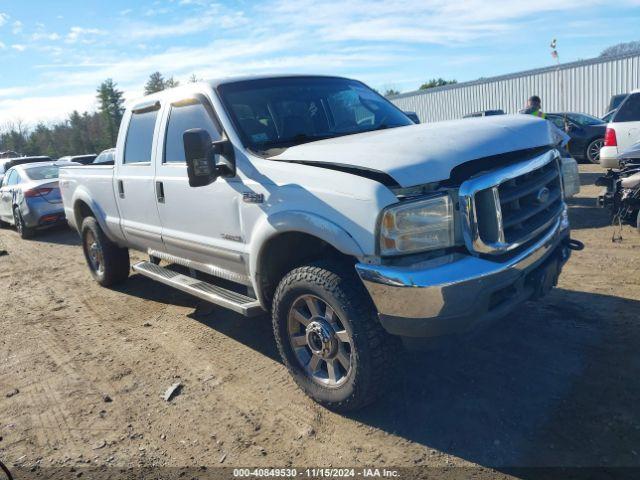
(251, 197)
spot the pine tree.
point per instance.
(111, 109)
(170, 83)
(156, 83)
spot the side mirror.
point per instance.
(202, 157)
(413, 116)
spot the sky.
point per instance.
(54, 54)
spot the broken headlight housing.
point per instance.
(417, 226)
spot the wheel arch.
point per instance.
(291, 239)
(83, 207)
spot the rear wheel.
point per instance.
(329, 336)
(108, 263)
(24, 231)
(593, 150)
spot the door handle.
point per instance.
(160, 192)
(120, 188)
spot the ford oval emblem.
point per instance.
(543, 195)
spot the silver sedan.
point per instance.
(30, 197)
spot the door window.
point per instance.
(629, 111)
(140, 137)
(558, 121)
(182, 117)
(14, 178)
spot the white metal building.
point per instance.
(583, 86)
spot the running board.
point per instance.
(237, 302)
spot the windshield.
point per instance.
(282, 112)
(42, 173)
(583, 119)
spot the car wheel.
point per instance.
(24, 231)
(329, 337)
(593, 150)
(108, 263)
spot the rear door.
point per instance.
(200, 224)
(133, 177)
(626, 122)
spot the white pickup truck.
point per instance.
(318, 200)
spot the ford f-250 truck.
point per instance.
(318, 200)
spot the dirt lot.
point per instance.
(555, 384)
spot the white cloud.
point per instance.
(4, 18)
(19, 47)
(45, 36)
(13, 91)
(16, 27)
(83, 35)
(185, 27)
(43, 108)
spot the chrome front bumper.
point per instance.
(455, 293)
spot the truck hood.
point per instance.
(425, 153)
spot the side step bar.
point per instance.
(206, 291)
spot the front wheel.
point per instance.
(108, 263)
(593, 150)
(329, 336)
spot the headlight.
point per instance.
(417, 226)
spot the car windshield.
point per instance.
(583, 119)
(44, 172)
(283, 112)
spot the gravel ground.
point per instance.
(83, 370)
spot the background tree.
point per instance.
(156, 83)
(436, 82)
(621, 49)
(170, 83)
(390, 92)
(111, 108)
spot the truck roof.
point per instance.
(216, 82)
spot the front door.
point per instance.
(6, 196)
(134, 184)
(201, 224)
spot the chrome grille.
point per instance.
(511, 206)
(530, 202)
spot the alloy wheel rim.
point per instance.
(594, 151)
(94, 253)
(320, 341)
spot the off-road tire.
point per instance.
(115, 259)
(24, 231)
(374, 353)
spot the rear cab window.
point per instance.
(629, 111)
(139, 141)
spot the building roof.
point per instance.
(524, 73)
